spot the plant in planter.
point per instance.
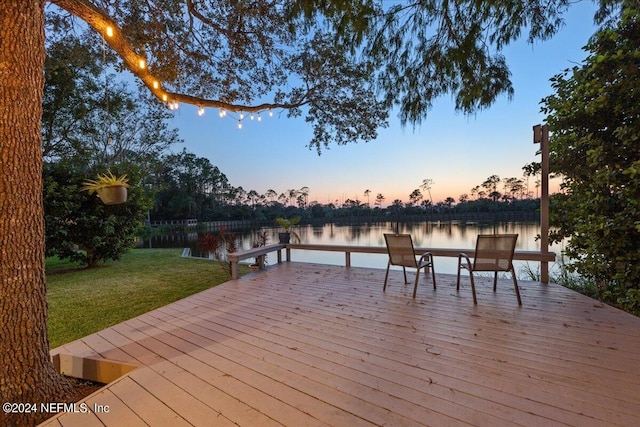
(286, 224)
(111, 189)
(210, 244)
(219, 245)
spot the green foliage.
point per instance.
(91, 117)
(343, 64)
(79, 226)
(91, 123)
(233, 54)
(431, 48)
(287, 223)
(594, 117)
(189, 187)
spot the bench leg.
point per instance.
(234, 270)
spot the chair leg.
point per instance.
(515, 284)
(431, 267)
(495, 281)
(433, 273)
(404, 270)
(473, 287)
(386, 276)
(415, 285)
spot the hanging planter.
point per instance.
(112, 190)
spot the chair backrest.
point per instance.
(400, 249)
(494, 252)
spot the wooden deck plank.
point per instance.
(364, 402)
(306, 344)
(185, 403)
(119, 412)
(374, 350)
(348, 375)
(146, 352)
(148, 339)
(203, 388)
(384, 369)
(145, 404)
(87, 420)
(466, 330)
(631, 397)
(265, 380)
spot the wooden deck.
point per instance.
(305, 344)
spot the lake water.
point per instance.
(424, 234)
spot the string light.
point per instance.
(142, 64)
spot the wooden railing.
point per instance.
(259, 252)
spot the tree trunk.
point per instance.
(26, 372)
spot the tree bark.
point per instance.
(26, 372)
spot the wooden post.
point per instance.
(234, 270)
(541, 135)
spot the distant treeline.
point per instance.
(460, 217)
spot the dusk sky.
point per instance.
(456, 151)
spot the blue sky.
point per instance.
(457, 152)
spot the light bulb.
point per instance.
(164, 97)
(251, 116)
(259, 117)
(270, 112)
(241, 115)
(156, 85)
(109, 31)
(200, 111)
(222, 112)
(142, 64)
(239, 124)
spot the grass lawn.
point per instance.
(83, 301)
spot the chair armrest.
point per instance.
(427, 256)
(466, 258)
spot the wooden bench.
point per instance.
(259, 253)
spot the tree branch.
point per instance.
(137, 64)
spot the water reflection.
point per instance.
(425, 234)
